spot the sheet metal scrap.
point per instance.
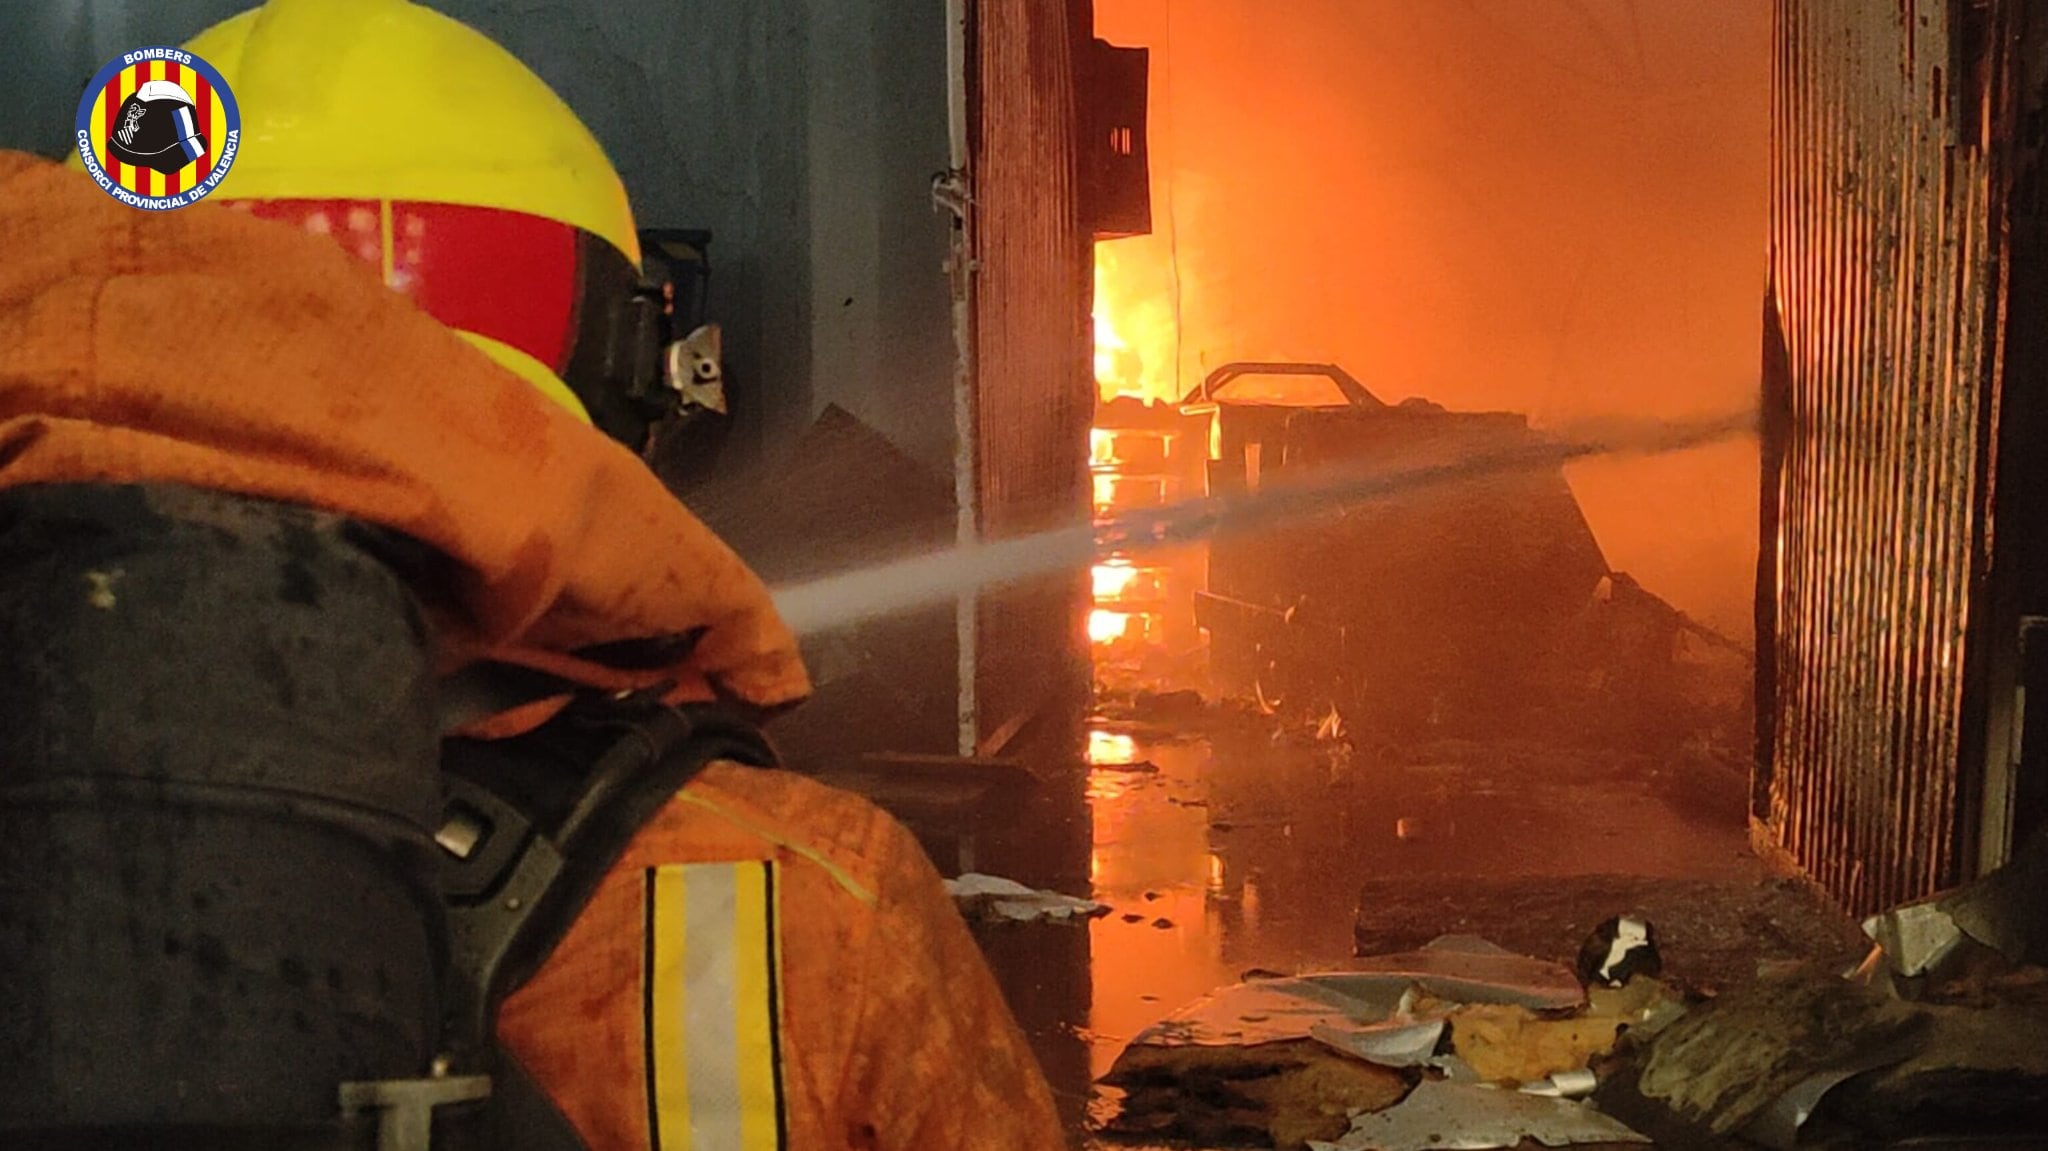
(2001, 912)
(1468, 969)
(1729, 1061)
(1361, 1011)
(1467, 1117)
(992, 898)
(1771, 1062)
(1262, 1058)
(1565, 1085)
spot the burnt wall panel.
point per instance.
(1885, 274)
(2015, 626)
(1035, 393)
(1116, 172)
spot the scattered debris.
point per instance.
(1292, 1059)
(1977, 1071)
(1404, 1039)
(1467, 969)
(1564, 1085)
(989, 898)
(1726, 1064)
(1618, 950)
(1438, 1116)
(1936, 1035)
(1282, 1094)
(1647, 1005)
(1998, 922)
(1711, 934)
(1167, 705)
(1512, 1044)
(1277, 1009)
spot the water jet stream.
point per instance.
(830, 602)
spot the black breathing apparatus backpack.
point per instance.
(249, 897)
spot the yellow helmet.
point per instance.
(429, 150)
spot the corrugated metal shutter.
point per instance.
(1880, 394)
(1035, 395)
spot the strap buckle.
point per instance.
(405, 1107)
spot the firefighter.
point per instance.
(771, 963)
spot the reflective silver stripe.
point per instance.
(713, 1083)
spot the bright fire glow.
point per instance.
(1108, 747)
(1113, 579)
(1101, 446)
(1124, 492)
(1105, 626)
(1107, 342)
(1136, 347)
(1135, 339)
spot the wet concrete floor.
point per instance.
(1222, 849)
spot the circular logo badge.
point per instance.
(158, 128)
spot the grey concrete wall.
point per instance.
(883, 342)
(803, 133)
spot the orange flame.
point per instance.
(1112, 579)
(1107, 626)
(1135, 339)
(1136, 345)
(1111, 748)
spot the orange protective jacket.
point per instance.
(204, 347)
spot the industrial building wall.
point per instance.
(802, 133)
(1891, 124)
(1035, 395)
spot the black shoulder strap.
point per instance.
(532, 826)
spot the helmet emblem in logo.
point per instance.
(158, 128)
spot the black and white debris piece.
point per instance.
(1618, 951)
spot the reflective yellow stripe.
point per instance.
(156, 178)
(668, 1085)
(712, 987)
(217, 127)
(99, 118)
(130, 174)
(756, 1010)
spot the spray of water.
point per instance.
(845, 598)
